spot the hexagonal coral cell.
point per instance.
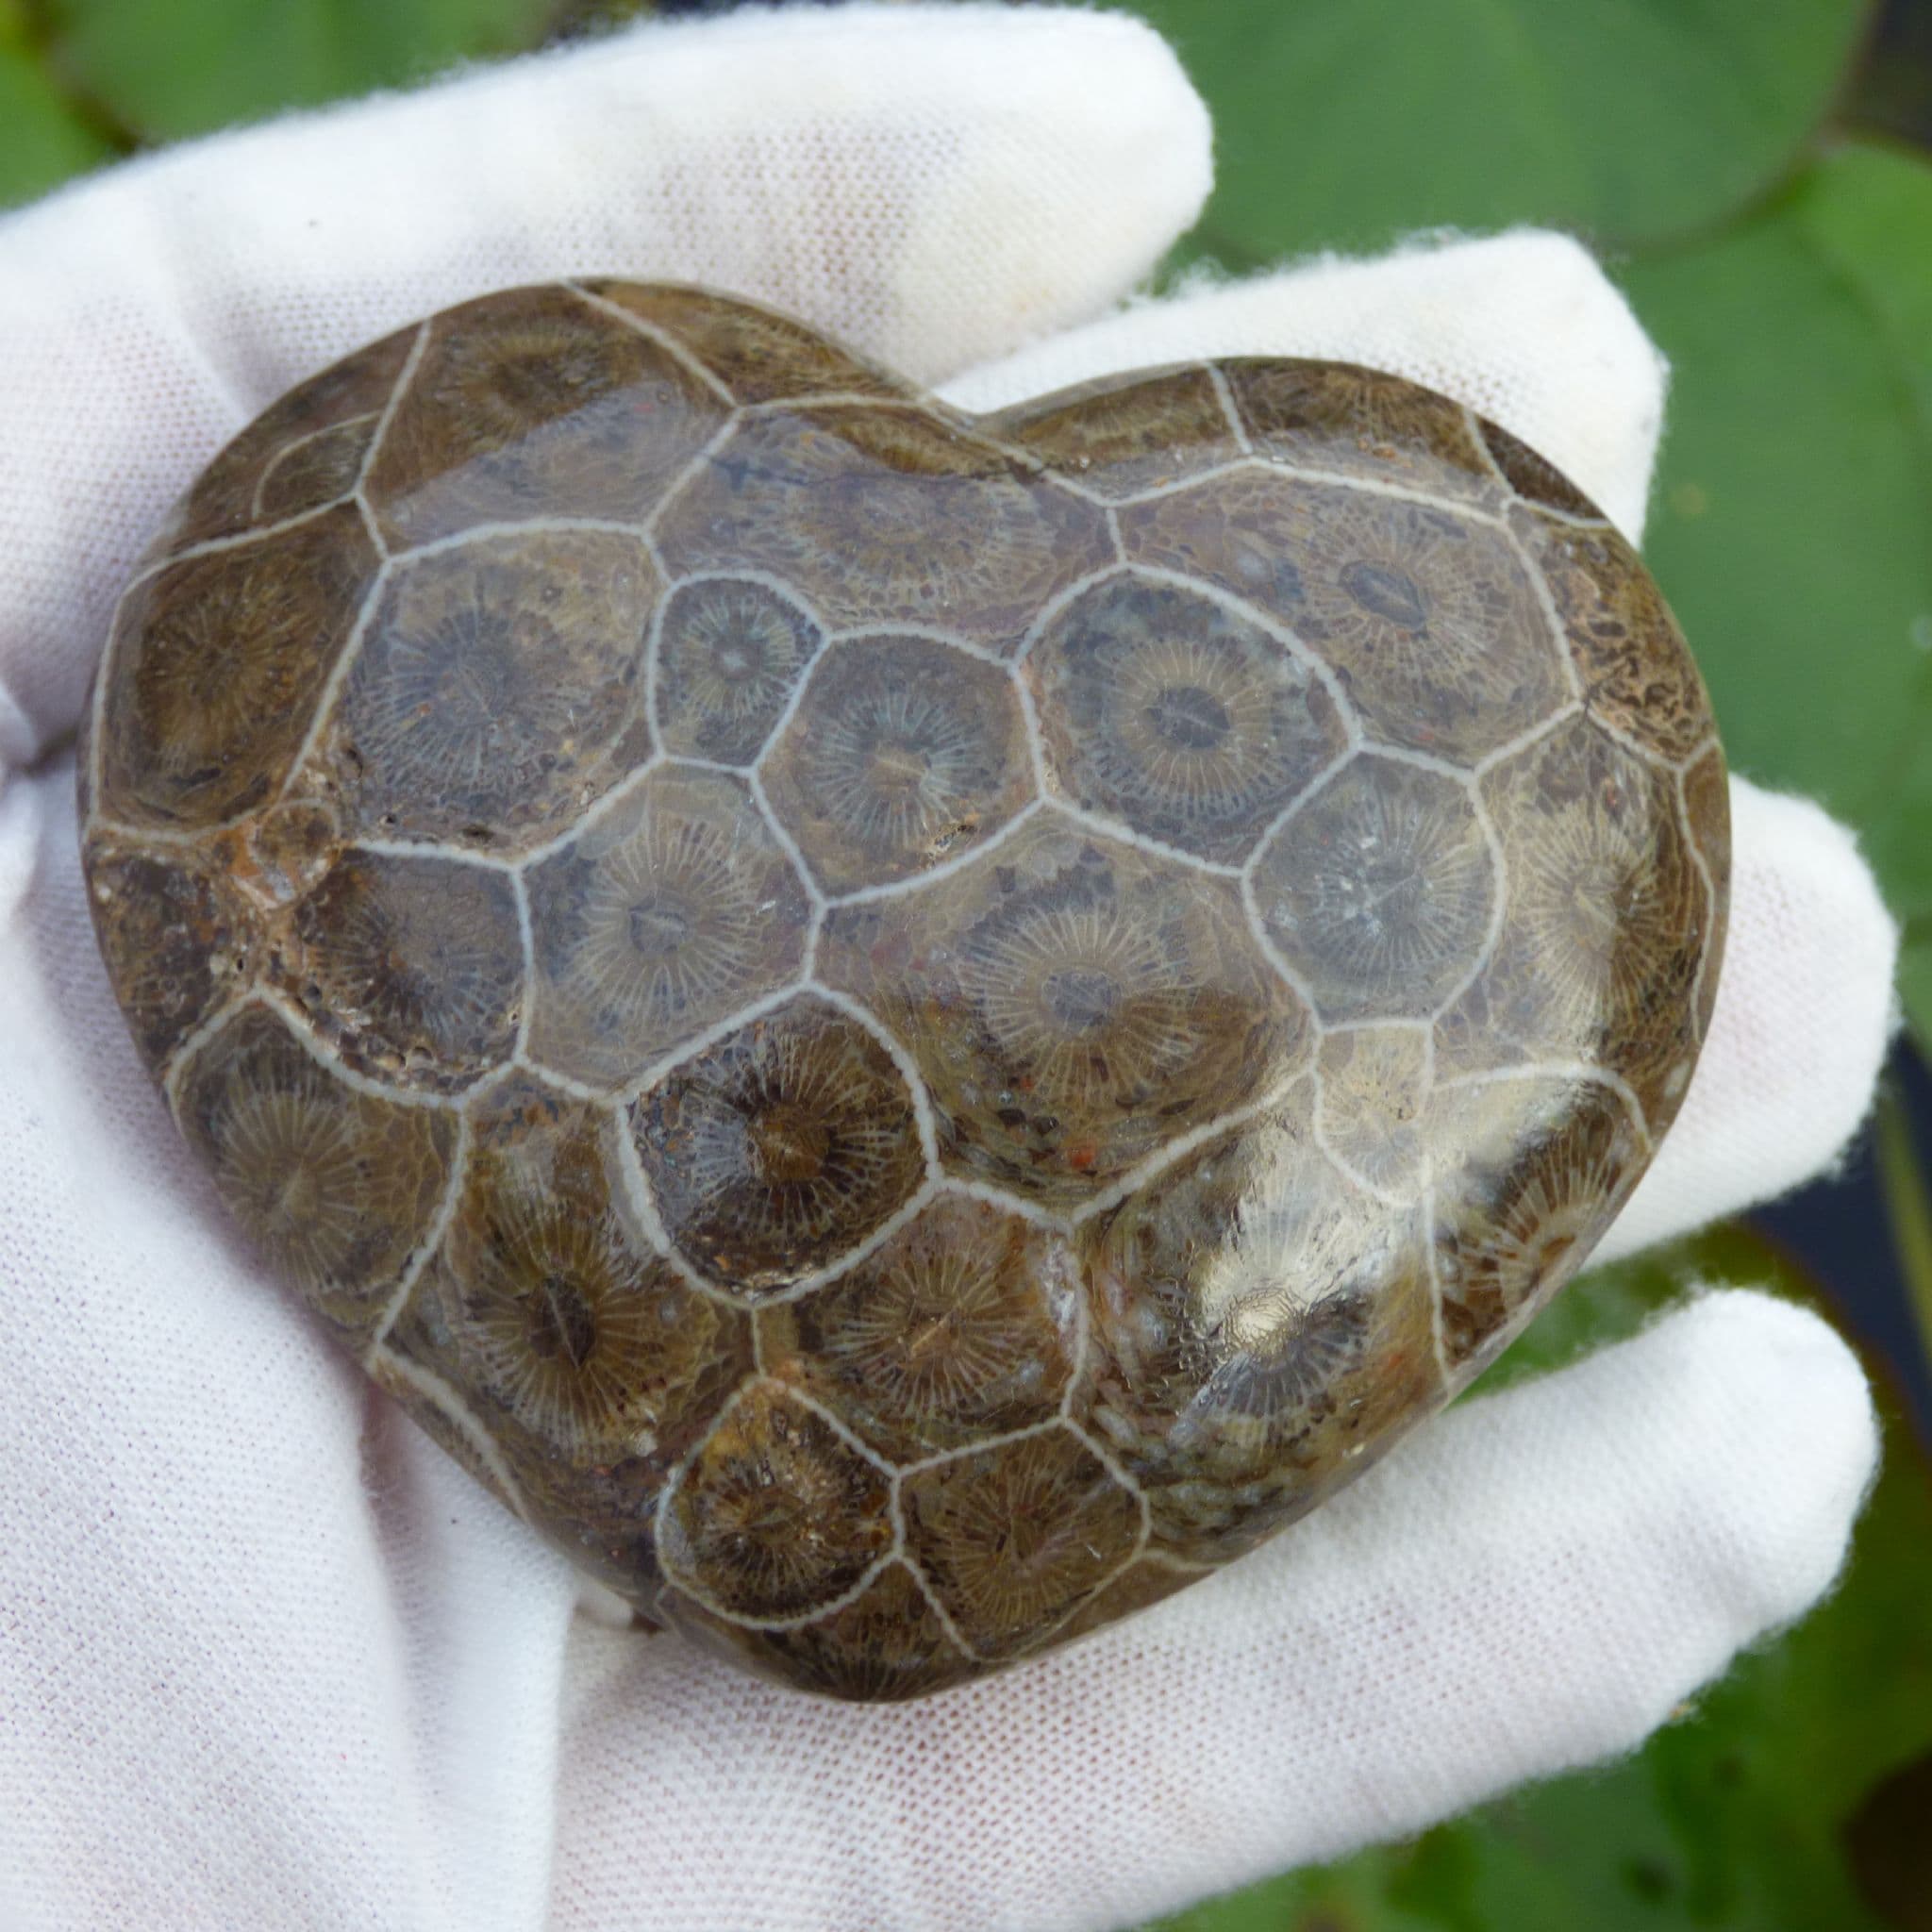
(410, 965)
(491, 688)
(1636, 673)
(590, 1360)
(1363, 423)
(303, 450)
(1123, 436)
(730, 652)
(887, 1643)
(335, 1187)
(780, 1149)
(175, 934)
(1074, 1003)
(1015, 1537)
(1179, 716)
(758, 354)
(216, 665)
(1530, 1170)
(1372, 1105)
(903, 753)
(776, 1515)
(1425, 614)
(965, 1324)
(667, 914)
(1604, 919)
(1377, 891)
(884, 516)
(534, 403)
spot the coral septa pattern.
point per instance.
(903, 1031)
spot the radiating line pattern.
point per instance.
(904, 1032)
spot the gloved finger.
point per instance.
(1524, 327)
(931, 184)
(1534, 1584)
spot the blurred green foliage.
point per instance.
(1781, 254)
(47, 137)
(82, 80)
(1343, 123)
(158, 72)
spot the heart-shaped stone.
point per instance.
(906, 1031)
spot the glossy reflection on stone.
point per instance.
(1074, 1003)
(903, 1031)
(1531, 1169)
(1605, 921)
(1371, 1106)
(1262, 1325)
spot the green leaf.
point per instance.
(1791, 530)
(198, 64)
(1868, 214)
(1771, 1806)
(44, 140)
(1341, 124)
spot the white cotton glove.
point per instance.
(266, 1658)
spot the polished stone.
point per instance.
(905, 1031)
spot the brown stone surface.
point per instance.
(338, 1187)
(1015, 1538)
(905, 1032)
(589, 1361)
(195, 731)
(882, 516)
(1184, 718)
(963, 1327)
(666, 914)
(903, 753)
(1074, 1005)
(779, 1151)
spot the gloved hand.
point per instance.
(267, 1659)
